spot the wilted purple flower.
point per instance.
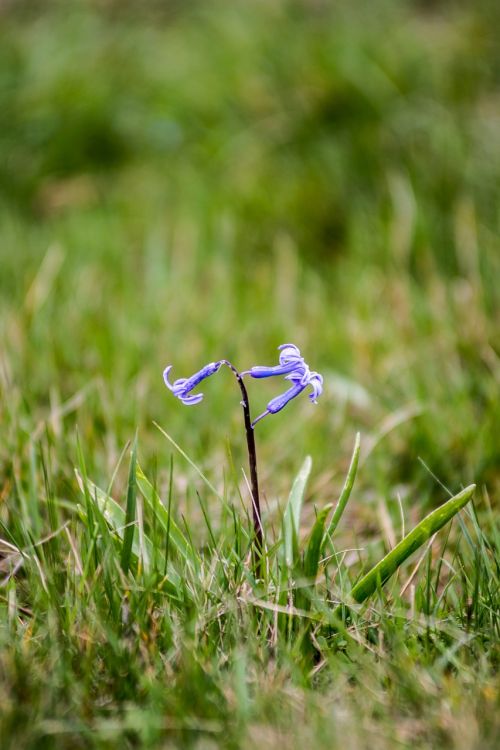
(293, 366)
(290, 360)
(183, 386)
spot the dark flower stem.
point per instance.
(252, 461)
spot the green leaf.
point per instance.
(313, 551)
(291, 516)
(378, 575)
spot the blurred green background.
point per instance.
(185, 181)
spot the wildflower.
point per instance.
(183, 386)
(295, 369)
(290, 360)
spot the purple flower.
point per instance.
(183, 386)
(290, 360)
(295, 369)
(291, 365)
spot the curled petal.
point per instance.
(316, 383)
(289, 352)
(290, 355)
(165, 376)
(300, 374)
(191, 400)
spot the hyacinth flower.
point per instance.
(294, 369)
(290, 360)
(183, 386)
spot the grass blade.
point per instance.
(175, 536)
(114, 516)
(128, 534)
(190, 461)
(379, 574)
(291, 516)
(346, 492)
(169, 511)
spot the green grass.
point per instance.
(183, 182)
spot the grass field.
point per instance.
(182, 182)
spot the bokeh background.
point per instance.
(185, 181)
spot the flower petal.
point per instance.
(192, 400)
(290, 360)
(316, 383)
(279, 402)
(183, 386)
(260, 371)
(165, 377)
(289, 353)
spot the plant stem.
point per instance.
(252, 462)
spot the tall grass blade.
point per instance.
(176, 537)
(169, 511)
(34, 509)
(81, 478)
(291, 516)
(130, 515)
(190, 461)
(345, 494)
